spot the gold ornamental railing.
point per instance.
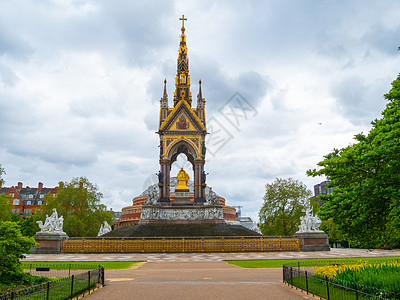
(180, 245)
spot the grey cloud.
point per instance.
(13, 46)
(384, 39)
(7, 76)
(357, 100)
(218, 86)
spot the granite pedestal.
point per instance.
(49, 243)
(313, 241)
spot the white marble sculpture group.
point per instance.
(104, 228)
(212, 198)
(309, 223)
(152, 195)
(52, 224)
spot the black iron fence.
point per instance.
(330, 288)
(63, 288)
(328, 262)
(57, 270)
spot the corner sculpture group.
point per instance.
(52, 224)
(309, 223)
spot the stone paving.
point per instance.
(182, 257)
(200, 275)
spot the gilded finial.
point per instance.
(183, 19)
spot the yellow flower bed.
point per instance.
(369, 276)
(360, 266)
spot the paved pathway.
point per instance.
(200, 275)
(181, 257)
(195, 280)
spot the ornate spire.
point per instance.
(182, 78)
(199, 95)
(201, 103)
(165, 95)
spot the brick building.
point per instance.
(26, 201)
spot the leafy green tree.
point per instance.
(27, 225)
(1, 175)
(365, 177)
(13, 246)
(284, 203)
(6, 213)
(78, 202)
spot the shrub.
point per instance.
(13, 246)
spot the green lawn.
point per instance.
(277, 263)
(319, 288)
(80, 265)
(62, 289)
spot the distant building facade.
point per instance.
(321, 189)
(26, 201)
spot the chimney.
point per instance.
(40, 186)
(19, 185)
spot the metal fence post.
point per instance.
(291, 275)
(89, 281)
(298, 265)
(306, 282)
(48, 290)
(72, 286)
(102, 276)
(327, 286)
(283, 273)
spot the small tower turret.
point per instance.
(164, 104)
(201, 105)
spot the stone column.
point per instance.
(199, 183)
(164, 179)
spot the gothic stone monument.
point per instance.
(182, 130)
(50, 236)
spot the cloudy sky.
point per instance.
(80, 84)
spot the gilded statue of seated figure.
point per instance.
(183, 178)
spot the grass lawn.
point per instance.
(80, 265)
(319, 288)
(277, 263)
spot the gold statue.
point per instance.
(183, 178)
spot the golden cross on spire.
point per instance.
(183, 19)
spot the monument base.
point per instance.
(49, 243)
(313, 241)
(210, 214)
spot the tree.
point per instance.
(13, 246)
(5, 208)
(365, 177)
(284, 203)
(78, 202)
(1, 175)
